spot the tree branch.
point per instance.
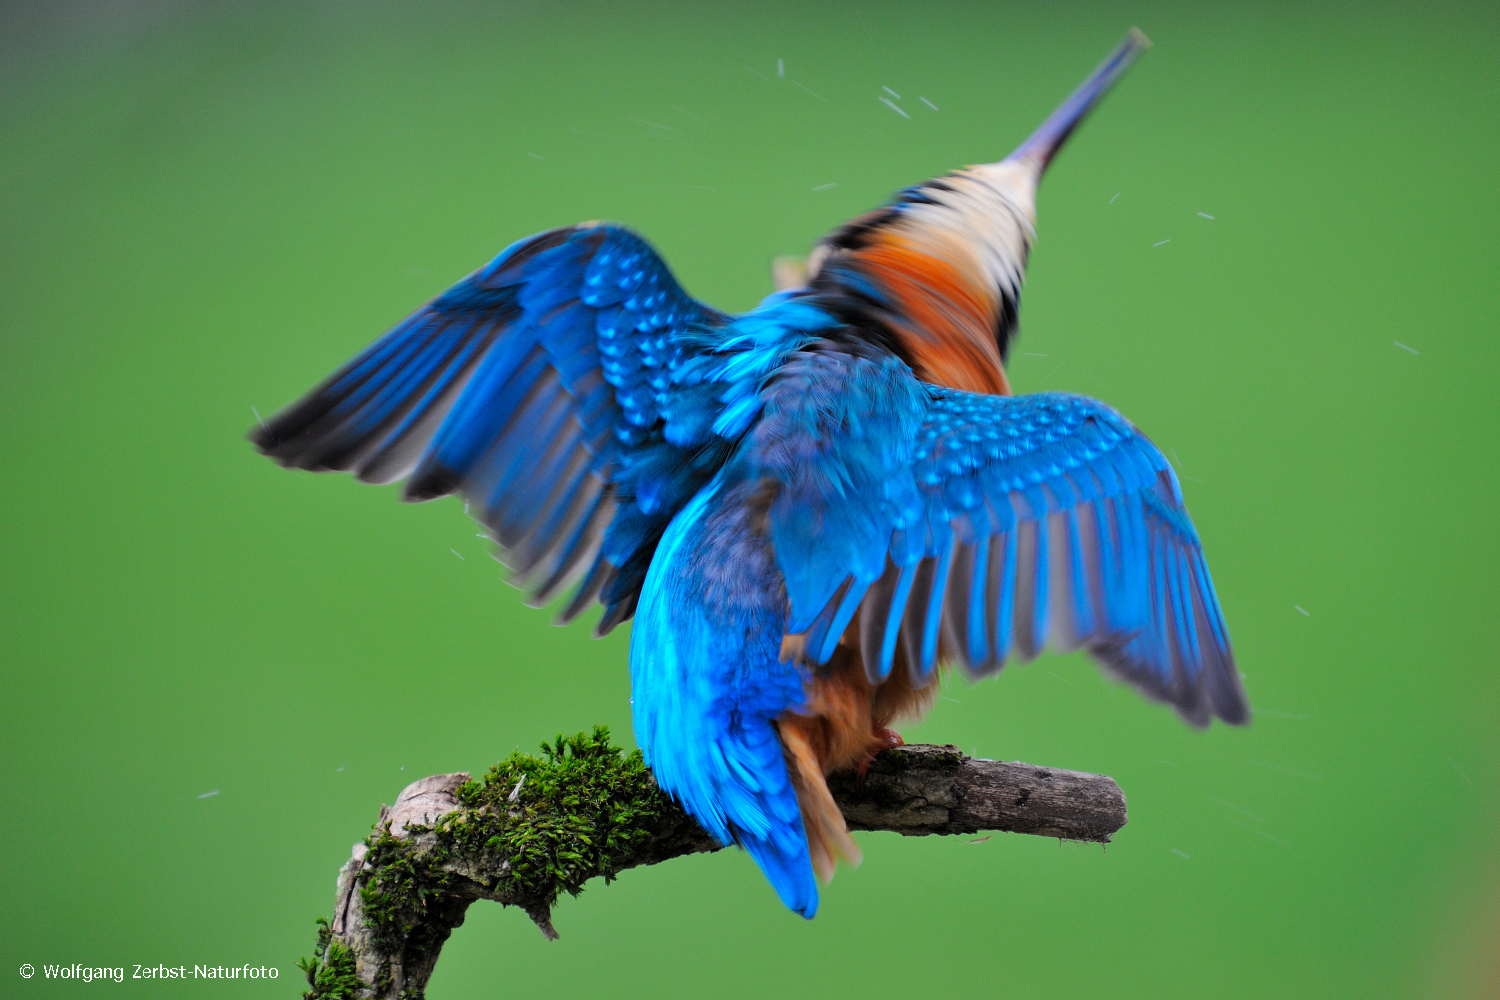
(536, 827)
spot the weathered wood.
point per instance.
(919, 790)
(912, 790)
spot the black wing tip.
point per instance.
(260, 436)
(283, 449)
(287, 439)
(1201, 704)
(1210, 701)
(598, 575)
(430, 483)
(1216, 693)
(271, 443)
(1224, 689)
(1243, 717)
(621, 611)
(1233, 710)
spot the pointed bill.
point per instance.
(1039, 149)
(936, 275)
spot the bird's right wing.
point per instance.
(936, 523)
(538, 388)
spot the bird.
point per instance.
(811, 509)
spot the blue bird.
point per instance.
(808, 509)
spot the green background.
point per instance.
(201, 213)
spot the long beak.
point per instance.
(1038, 150)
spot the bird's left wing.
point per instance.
(538, 388)
(926, 523)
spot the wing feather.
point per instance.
(1011, 524)
(523, 387)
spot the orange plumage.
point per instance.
(946, 322)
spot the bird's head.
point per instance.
(936, 275)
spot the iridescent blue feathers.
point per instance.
(773, 474)
(954, 525)
(708, 684)
(982, 527)
(538, 388)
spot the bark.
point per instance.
(911, 790)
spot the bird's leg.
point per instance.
(854, 729)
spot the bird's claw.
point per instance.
(886, 738)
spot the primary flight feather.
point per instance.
(809, 508)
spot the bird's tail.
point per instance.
(782, 854)
(707, 682)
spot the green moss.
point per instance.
(901, 759)
(578, 811)
(331, 971)
(547, 824)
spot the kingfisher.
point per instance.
(811, 509)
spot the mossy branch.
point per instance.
(536, 827)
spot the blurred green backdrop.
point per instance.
(205, 212)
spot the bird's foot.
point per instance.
(885, 739)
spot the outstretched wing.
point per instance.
(535, 387)
(935, 523)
